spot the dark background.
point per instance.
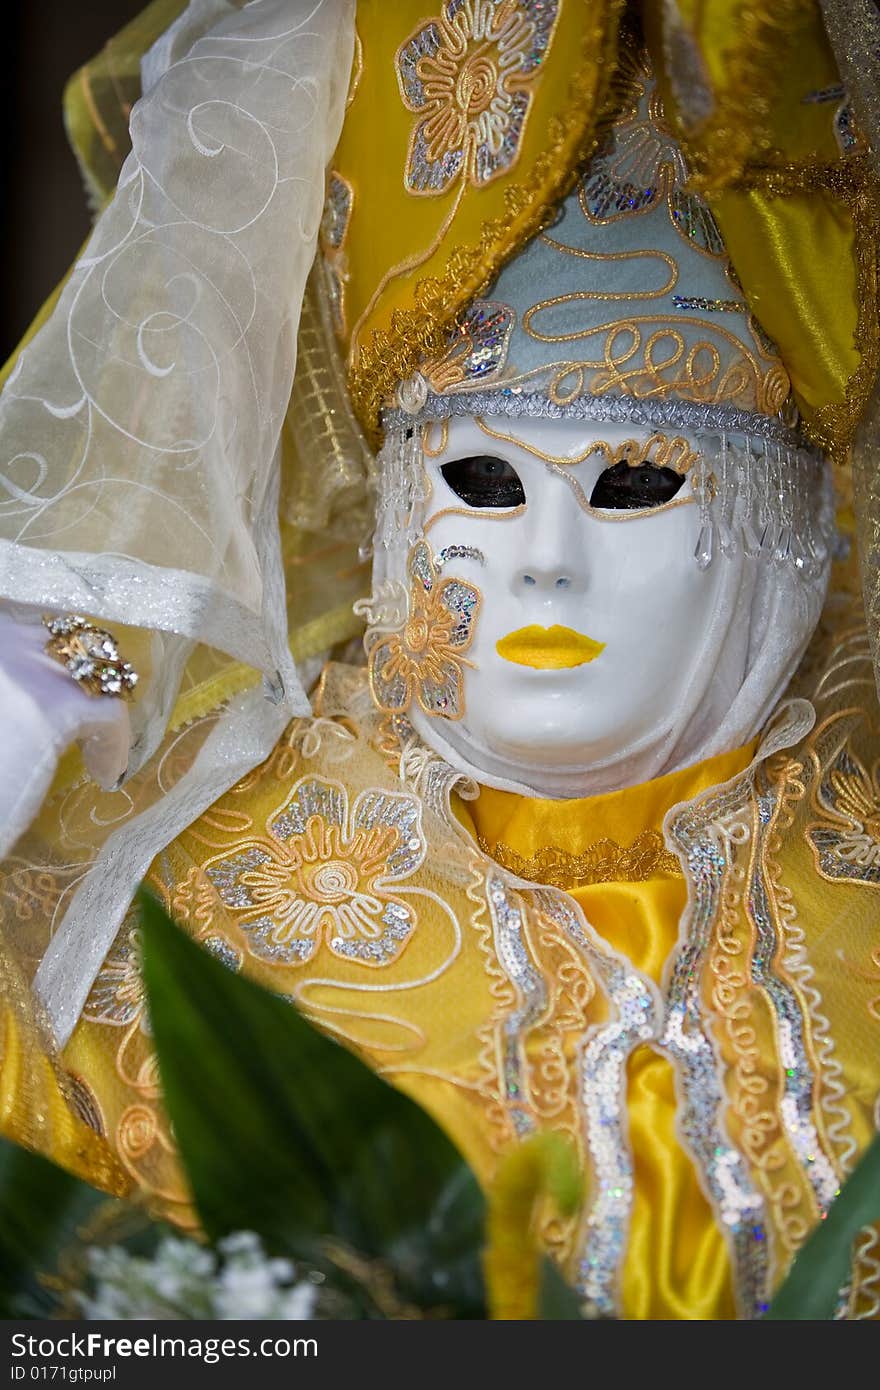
(45, 217)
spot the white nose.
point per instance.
(554, 559)
(543, 579)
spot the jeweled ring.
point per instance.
(90, 655)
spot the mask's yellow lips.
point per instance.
(548, 648)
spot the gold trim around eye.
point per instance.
(429, 450)
(676, 453)
(622, 513)
(682, 460)
(487, 513)
(527, 448)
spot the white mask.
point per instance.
(593, 652)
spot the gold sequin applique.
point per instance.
(423, 661)
(845, 837)
(334, 232)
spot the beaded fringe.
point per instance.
(760, 500)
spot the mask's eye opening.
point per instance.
(482, 480)
(625, 488)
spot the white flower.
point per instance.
(186, 1280)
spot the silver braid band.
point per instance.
(653, 414)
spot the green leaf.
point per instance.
(823, 1266)
(41, 1208)
(284, 1132)
(557, 1300)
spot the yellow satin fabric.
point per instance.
(755, 60)
(676, 1264)
(793, 211)
(804, 243)
(35, 1109)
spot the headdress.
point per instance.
(626, 308)
(763, 126)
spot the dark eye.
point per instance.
(622, 487)
(484, 481)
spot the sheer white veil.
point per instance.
(140, 447)
(139, 430)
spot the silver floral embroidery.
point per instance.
(118, 996)
(640, 165)
(477, 349)
(221, 949)
(424, 659)
(467, 75)
(324, 874)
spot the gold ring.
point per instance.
(90, 655)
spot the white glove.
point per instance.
(42, 712)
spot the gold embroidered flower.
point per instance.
(846, 838)
(423, 660)
(118, 996)
(468, 75)
(321, 875)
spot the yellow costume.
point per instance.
(482, 1013)
(682, 976)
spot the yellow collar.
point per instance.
(616, 836)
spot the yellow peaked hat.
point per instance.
(509, 110)
(469, 120)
